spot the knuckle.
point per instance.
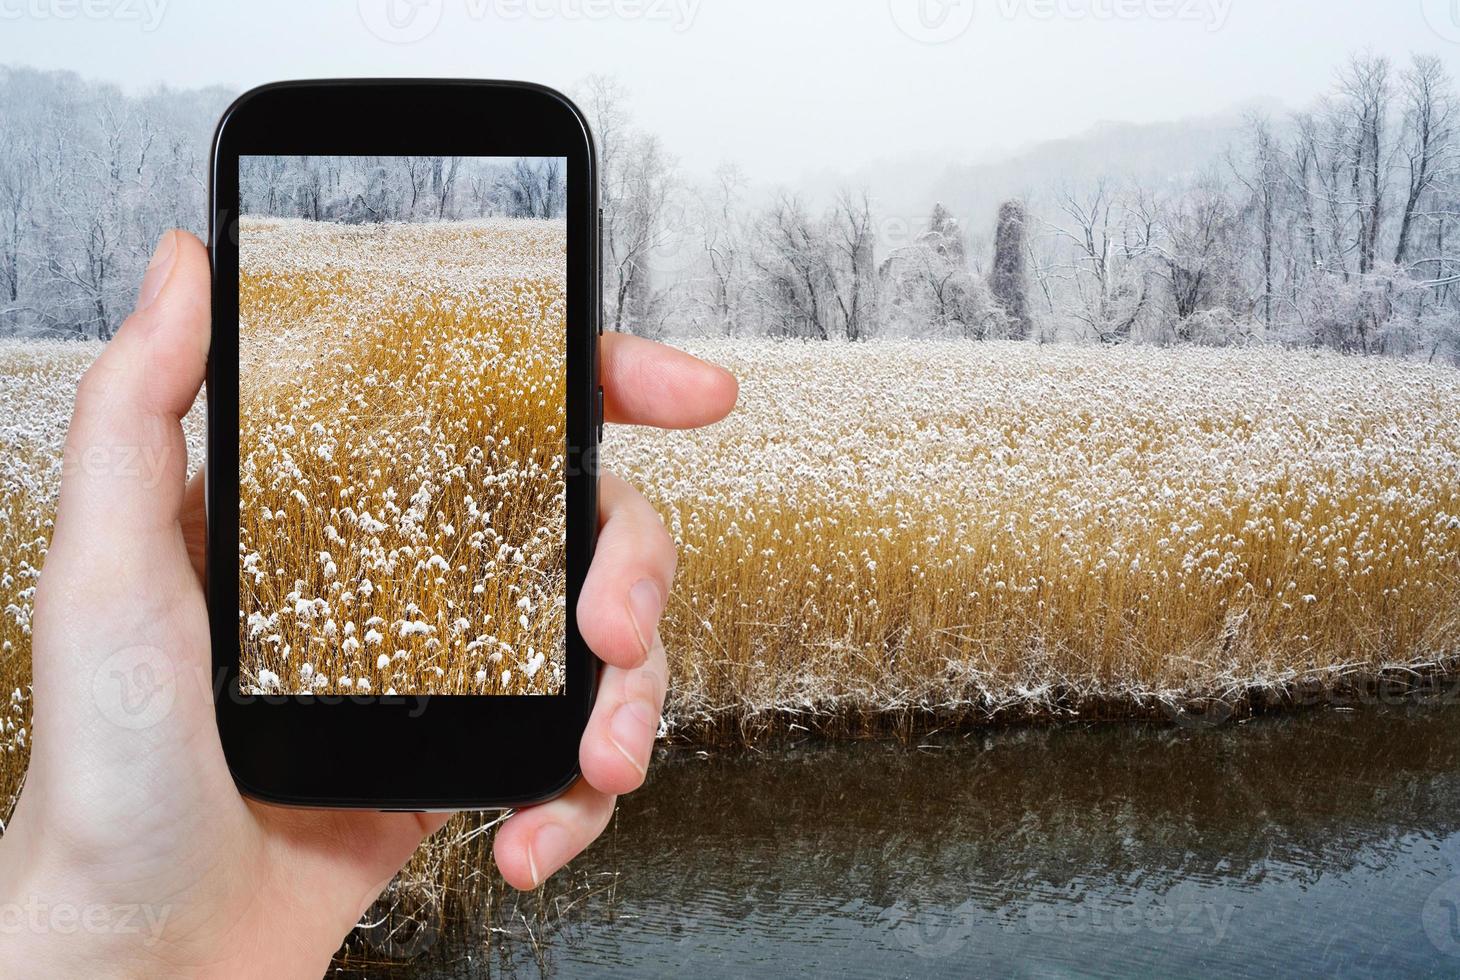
(92, 387)
(645, 684)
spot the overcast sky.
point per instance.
(780, 86)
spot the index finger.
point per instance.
(645, 383)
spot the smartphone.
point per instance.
(403, 424)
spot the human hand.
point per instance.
(128, 808)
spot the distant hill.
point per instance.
(1148, 153)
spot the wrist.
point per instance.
(110, 915)
(51, 924)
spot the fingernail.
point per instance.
(156, 275)
(551, 848)
(646, 604)
(633, 726)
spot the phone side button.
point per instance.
(598, 263)
(600, 414)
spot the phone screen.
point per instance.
(402, 425)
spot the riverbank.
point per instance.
(1234, 701)
(1318, 842)
(987, 532)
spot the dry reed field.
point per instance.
(37, 386)
(402, 448)
(968, 528)
(894, 526)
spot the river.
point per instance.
(1324, 843)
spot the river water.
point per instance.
(1326, 843)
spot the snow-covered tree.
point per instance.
(1009, 279)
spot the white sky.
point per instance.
(782, 87)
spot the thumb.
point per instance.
(125, 459)
(117, 597)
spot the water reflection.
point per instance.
(1324, 843)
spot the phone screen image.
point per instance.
(402, 425)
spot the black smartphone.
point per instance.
(403, 422)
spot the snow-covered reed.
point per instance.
(957, 526)
(884, 526)
(37, 388)
(402, 452)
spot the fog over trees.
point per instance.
(1332, 226)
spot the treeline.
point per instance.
(89, 178)
(1334, 227)
(358, 190)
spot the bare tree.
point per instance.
(725, 246)
(1195, 255)
(534, 188)
(638, 182)
(415, 170)
(1263, 180)
(853, 242)
(444, 173)
(1107, 271)
(19, 169)
(1429, 111)
(796, 286)
(92, 173)
(1365, 94)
